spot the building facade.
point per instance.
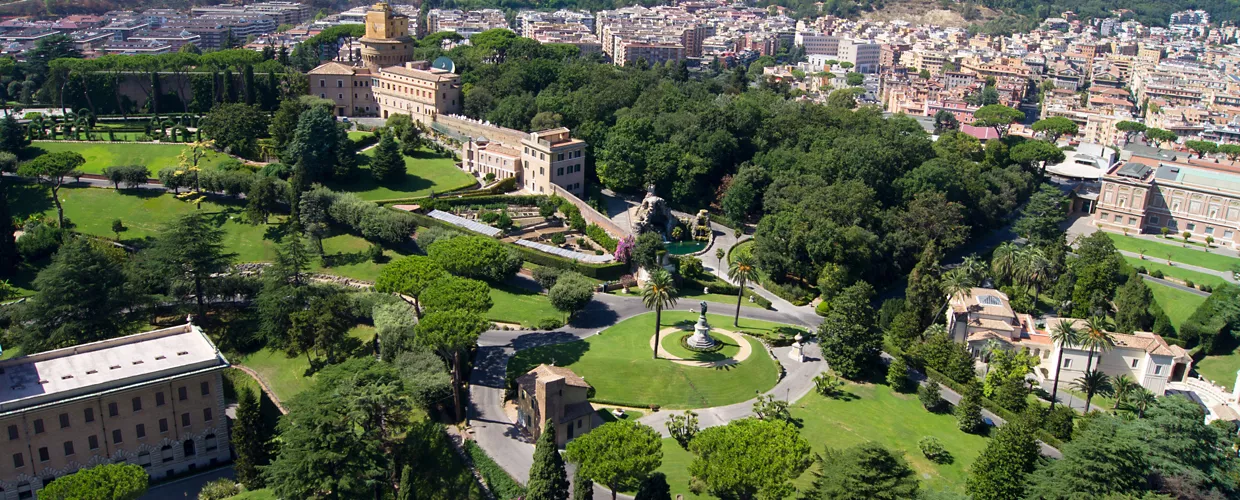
(554, 393)
(984, 315)
(153, 399)
(417, 90)
(1148, 195)
(349, 87)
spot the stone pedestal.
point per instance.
(798, 349)
(701, 338)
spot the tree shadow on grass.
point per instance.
(27, 198)
(344, 259)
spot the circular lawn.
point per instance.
(674, 344)
(619, 364)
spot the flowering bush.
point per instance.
(624, 249)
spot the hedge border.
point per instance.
(990, 406)
(499, 481)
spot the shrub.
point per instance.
(38, 241)
(828, 385)
(933, 450)
(496, 478)
(1141, 270)
(600, 236)
(931, 397)
(550, 323)
(897, 375)
(1206, 288)
(1157, 273)
(823, 308)
(219, 490)
(375, 254)
(476, 257)
(432, 234)
(546, 276)
(571, 292)
(558, 238)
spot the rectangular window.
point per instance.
(93, 442)
(206, 414)
(1158, 369)
(159, 399)
(38, 426)
(163, 425)
(1134, 363)
(44, 455)
(68, 448)
(182, 393)
(137, 404)
(1154, 219)
(559, 171)
(13, 433)
(140, 430)
(64, 420)
(18, 461)
(559, 157)
(1067, 363)
(184, 420)
(1104, 215)
(322, 83)
(1190, 226)
(90, 414)
(113, 410)
(1132, 221)
(1118, 218)
(1209, 230)
(1228, 234)
(205, 387)
(116, 436)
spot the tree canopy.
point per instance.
(749, 458)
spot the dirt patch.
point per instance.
(927, 12)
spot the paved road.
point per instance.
(187, 487)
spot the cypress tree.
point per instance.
(230, 88)
(248, 79)
(251, 439)
(969, 411)
(406, 485)
(8, 244)
(548, 480)
(387, 164)
(583, 487)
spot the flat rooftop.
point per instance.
(62, 374)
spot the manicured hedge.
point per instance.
(600, 236)
(484, 198)
(501, 484)
(991, 406)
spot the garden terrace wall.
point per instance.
(604, 272)
(591, 215)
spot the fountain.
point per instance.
(701, 338)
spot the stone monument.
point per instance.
(798, 349)
(701, 338)
(653, 215)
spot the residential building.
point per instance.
(557, 394)
(418, 90)
(544, 162)
(982, 316)
(154, 399)
(1149, 193)
(351, 88)
(466, 23)
(293, 13)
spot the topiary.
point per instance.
(550, 323)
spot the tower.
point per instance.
(387, 41)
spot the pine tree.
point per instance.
(654, 487)
(548, 480)
(1132, 304)
(387, 163)
(406, 485)
(251, 439)
(583, 487)
(969, 411)
(1001, 471)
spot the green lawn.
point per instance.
(744, 246)
(896, 421)
(144, 212)
(287, 375)
(263, 494)
(1180, 273)
(518, 305)
(425, 173)
(100, 155)
(688, 295)
(671, 342)
(619, 364)
(1220, 369)
(1195, 255)
(675, 465)
(1178, 304)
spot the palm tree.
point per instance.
(954, 282)
(1003, 260)
(973, 268)
(1096, 338)
(741, 271)
(1062, 335)
(1122, 386)
(992, 346)
(1140, 400)
(1093, 382)
(1033, 269)
(658, 292)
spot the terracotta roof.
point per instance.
(419, 74)
(333, 68)
(548, 373)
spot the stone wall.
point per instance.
(472, 128)
(591, 215)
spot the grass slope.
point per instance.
(1178, 304)
(1220, 369)
(1175, 272)
(287, 375)
(619, 364)
(424, 173)
(1195, 255)
(100, 155)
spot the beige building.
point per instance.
(1149, 194)
(557, 394)
(350, 87)
(154, 399)
(417, 90)
(984, 315)
(387, 41)
(543, 162)
(553, 157)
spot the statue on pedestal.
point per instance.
(701, 338)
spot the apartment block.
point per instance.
(466, 23)
(153, 399)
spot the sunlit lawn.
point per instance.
(1193, 255)
(100, 155)
(517, 305)
(1178, 304)
(425, 173)
(620, 366)
(286, 375)
(1221, 369)
(1151, 263)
